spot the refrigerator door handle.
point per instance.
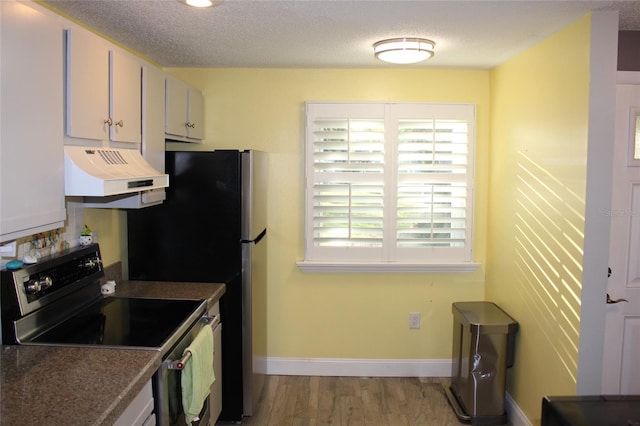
(257, 239)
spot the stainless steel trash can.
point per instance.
(483, 348)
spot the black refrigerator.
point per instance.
(212, 228)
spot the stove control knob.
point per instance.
(45, 283)
(36, 285)
(32, 287)
(91, 263)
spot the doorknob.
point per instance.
(611, 301)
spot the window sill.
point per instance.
(390, 267)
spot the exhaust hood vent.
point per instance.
(101, 172)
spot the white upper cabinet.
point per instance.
(184, 111)
(103, 90)
(125, 91)
(195, 113)
(176, 107)
(31, 112)
(87, 82)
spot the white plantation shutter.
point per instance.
(389, 182)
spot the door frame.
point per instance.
(601, 130)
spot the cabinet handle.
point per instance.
(108, 121)
(119, 123)
(190, 124)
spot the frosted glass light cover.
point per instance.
(404, 50)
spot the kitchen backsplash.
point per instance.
(47, 243)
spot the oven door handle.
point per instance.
(180, 363)
(213, 320)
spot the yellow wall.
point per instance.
(538, 154)
(109, 226)
(339, 315)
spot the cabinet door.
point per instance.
(153, 117)
(31, 145)
(195, 114)
(176, 107)
(139, 410)
(153, 146)
(87, 81)
(125, 90)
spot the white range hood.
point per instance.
(101, 172)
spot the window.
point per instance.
(389, 185)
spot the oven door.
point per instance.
(167, 381)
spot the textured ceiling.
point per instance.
(332, 33)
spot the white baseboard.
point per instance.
(515, 414)
(358, 367)
(374, 368)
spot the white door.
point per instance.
(622, 329)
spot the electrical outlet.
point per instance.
(414, 319)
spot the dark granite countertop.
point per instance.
(212, 292)
(46, 385)
(84, 386)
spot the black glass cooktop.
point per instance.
(115, 321)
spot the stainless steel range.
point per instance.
(58, 302)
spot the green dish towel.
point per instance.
(197, 374)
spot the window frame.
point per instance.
(387, 259)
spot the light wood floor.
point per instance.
(342, 401)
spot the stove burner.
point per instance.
(117, 322)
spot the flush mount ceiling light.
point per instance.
(404, 50)
(197, 3)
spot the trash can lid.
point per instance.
(487, 317)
